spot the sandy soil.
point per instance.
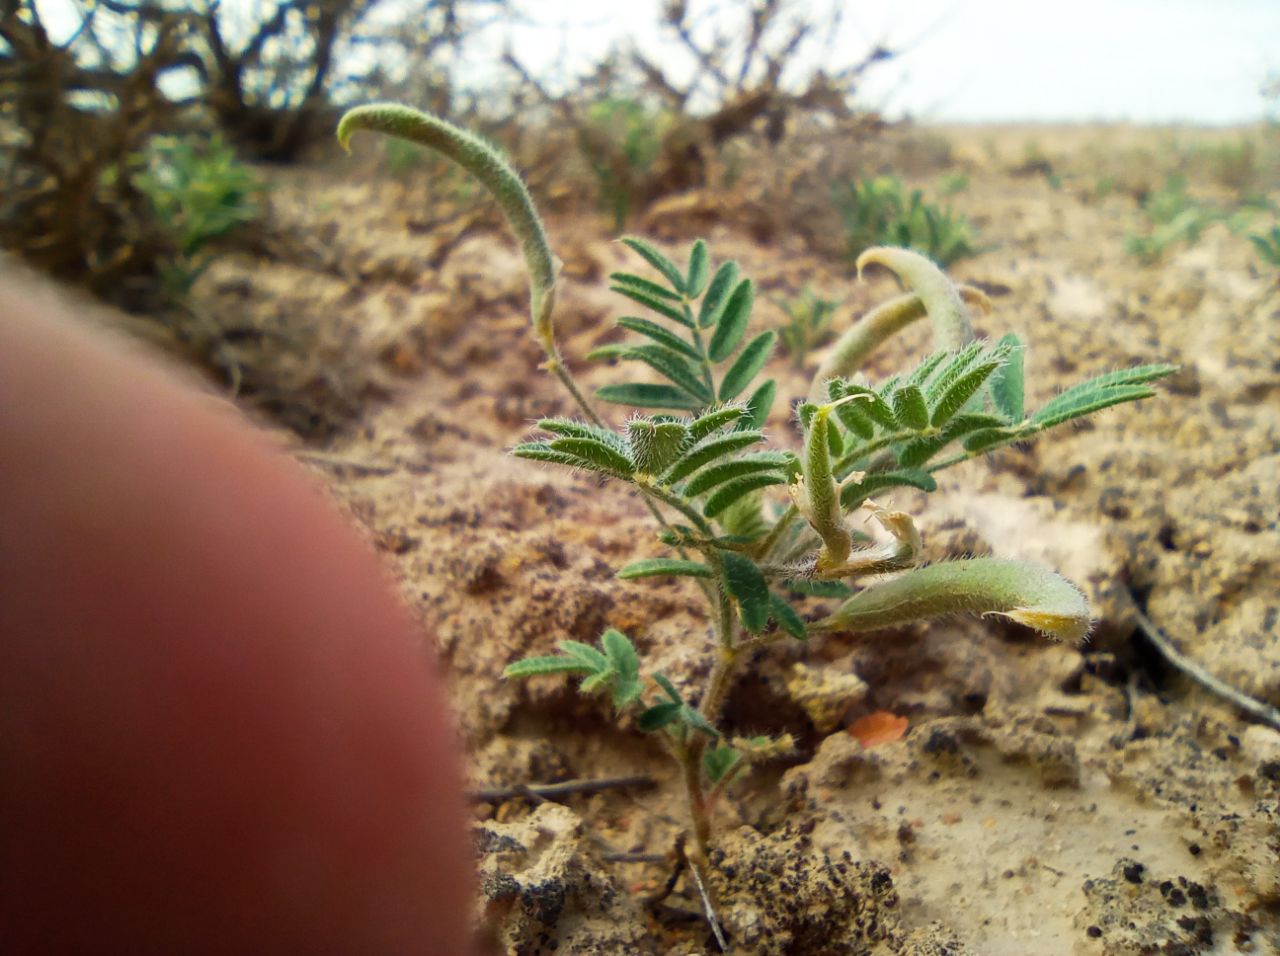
(1045, 799)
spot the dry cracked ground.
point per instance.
(1044, 799)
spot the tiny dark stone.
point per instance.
(1094, 932)
(1194, 849)
(1133, 872)
(1270, 770)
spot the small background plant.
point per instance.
(879, 211)
(808, 324)
(200, 192)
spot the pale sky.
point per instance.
(1199, 61)
(1150, 61)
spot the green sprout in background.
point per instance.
(757, 528)
(200, 192)
(879, 211)
(808, 324)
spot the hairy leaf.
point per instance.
(747, 365)
(540, 451)
(814, 588)
(1079, 402)
(909, 408)
(732, 324)
(713, 302)
(731, 491)
(704, 425)
(852, 494)
(746, 583)
(662, 360)
(659, 716)
(919, 450)
(656, 259)
(708, 450)
(602, 455)
(655, 445)
(585, 654)
(699, 269)
(661, 335)
(650, 301)
(927, 368)
(644, 395)
(568, 428)
(1007, 383)
(960, 390)
(625, 663)
(787, 618)
(876, 408)
(758, 406)
(533, 666)
(719, 762)
(655, 567)
(713, 475)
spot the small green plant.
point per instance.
(621, 139)
(1268, 246)
(808, 324)
(880, 212)
(200, 192)
(757, 529)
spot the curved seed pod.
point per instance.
(952, 329)
(1027, 593)
(866, 335)
(484, 163)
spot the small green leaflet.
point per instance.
(651, 255)
(747, 365)
(732, 324)
(654, 567)
(747, 585)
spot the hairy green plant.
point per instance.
(879, 211)
(808, 324)
(200, 192)
(694, 449)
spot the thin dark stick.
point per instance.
(635, 857)
(1254, 708)
(550, 791)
